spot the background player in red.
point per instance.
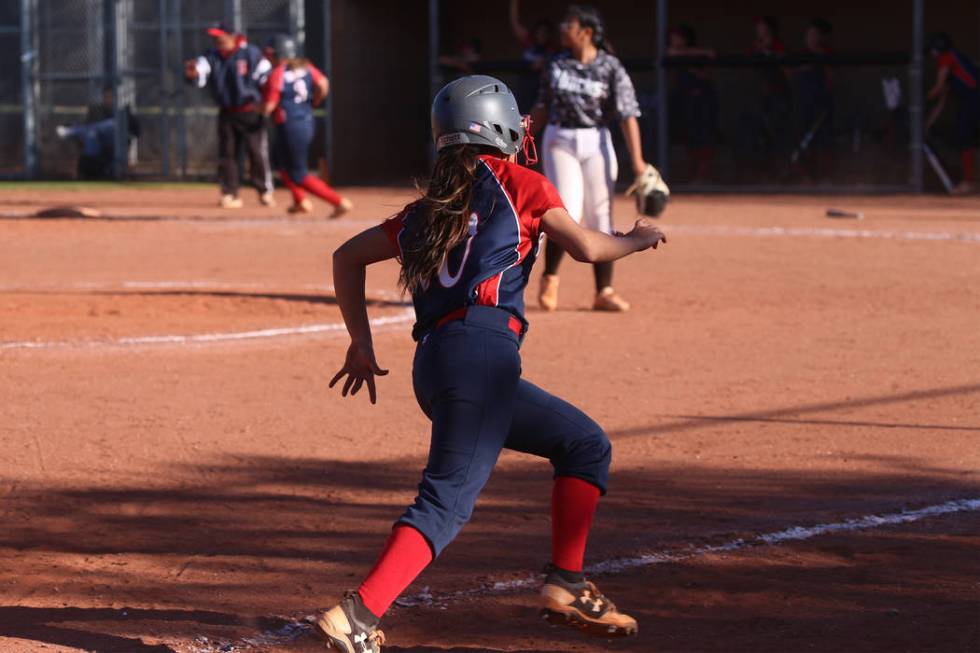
(234, 71)
(957, 73)
(295, 86)
(466, 249)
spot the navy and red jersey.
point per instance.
(234, 77)
(292, 90)
(492, 265)
(962, 73)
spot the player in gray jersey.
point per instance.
(582, 90)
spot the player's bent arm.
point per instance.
(937, 109)
(631, 135)
(590, 246)
(320, 89)
(539, 117)
(350, 262)
(197, 71)
(940, 84)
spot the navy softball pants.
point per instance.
(467, 378)
(293, 139)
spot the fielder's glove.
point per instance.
(650, 192)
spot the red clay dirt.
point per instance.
(205, 494)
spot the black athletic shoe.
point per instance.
(582, 606)
(343, 631)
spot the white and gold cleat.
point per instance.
(343, 632)
(582, 606)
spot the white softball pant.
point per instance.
(581, 163)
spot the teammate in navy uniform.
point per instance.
(295, 86)
(234, 71)
(466, 249)
(957, 73)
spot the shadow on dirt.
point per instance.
(264, 535)
(275, 534)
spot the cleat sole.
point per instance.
(587, 627)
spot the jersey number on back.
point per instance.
(300, 92)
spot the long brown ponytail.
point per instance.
(442, 215)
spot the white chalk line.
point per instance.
(791, 534)
(297, 627)
(405, 316)
(820, 232)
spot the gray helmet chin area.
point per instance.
(478, 110)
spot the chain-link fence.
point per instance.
(11, 114)
(107, 75)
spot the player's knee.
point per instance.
(588, 457)
(296, 176)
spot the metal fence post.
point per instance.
(328, 149)
(28, 72)
(178, 31)
(663, 138)
(233, 14)
(435, 75)
(164, 92)
(297, 21)
(121, 96)
(917, 132)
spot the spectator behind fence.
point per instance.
(765, 131)
(694, 101)
(538, 46)
(234, 72)
(98, 136)
(957, 73)
(815, 99)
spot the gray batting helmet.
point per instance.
(478, 110)
(283, 45)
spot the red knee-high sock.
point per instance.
(405, 555)
(298, 194)
(573, 503)
(319, 188)
(968, 159)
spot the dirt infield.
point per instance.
(794, 403)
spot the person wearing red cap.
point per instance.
(234, 72)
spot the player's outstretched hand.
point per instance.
(646, 234)
(359, 368)
(190, 69)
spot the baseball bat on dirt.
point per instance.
(839, 213)
(807, 138)
(938, 168)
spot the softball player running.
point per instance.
(295, 86)
(466, 248)
(582, 90)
